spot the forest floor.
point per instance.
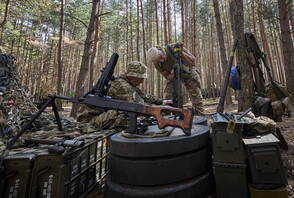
(287, 129)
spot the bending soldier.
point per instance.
(164, 60)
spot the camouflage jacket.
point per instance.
(171, 60)
(121, 89)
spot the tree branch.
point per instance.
(5, 14)
(86, 26)
(76, 18)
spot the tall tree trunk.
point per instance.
(143, 33)
(253, 16)
(175, 23)
(131, 31)
(264, 36)
(60, 48)
(96, 42)
(193, 18)
(169, 32)
(4, 21)
(127, 32)
(291, 16)
(165, 27)
(246, 96)
(158, 76)
(88, 48)
(221, 41)
(287, 44)
(138, 30)
(183, 21)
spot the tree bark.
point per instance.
(138, 30)
(143, 33)
(88, 49)
(59, 55)
(165, 23)
(4, 21)
(246, 96)
(169, 32)
(158, 76)
(183, 21)
(131, 32)
(222, 48)
(96, 43)
(287, 44)
(264, 37)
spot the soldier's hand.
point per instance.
(167, 102)
(169, 76)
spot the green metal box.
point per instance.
(48, 176)
(230, 180)
(15, 182)
(270, 193)
(265, 163)
(227, 147)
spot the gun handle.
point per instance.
(184, 124)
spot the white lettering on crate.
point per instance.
(13, 190)
(47, 187)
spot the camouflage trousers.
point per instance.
(102, 120)
(109, 120)
(191, 81)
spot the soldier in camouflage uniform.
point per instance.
(164, 61)
(124, 87)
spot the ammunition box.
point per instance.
(41, 174)
(70, 175)
(15, 181)
(228, 147)
(265, 163)
(271, 193)
(48, 176)
(91, 173)
(230, 180)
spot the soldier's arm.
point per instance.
(152, 99)
(188, 57)
(167, 75)
(119, 91)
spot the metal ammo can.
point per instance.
(270, 193)
(15, 181)
(227, 147)
(72, 174)
(230, 180)
(265, 163)
(48, 176)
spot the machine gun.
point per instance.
(255, 56)
(97, 98)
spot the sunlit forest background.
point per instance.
(61, 46)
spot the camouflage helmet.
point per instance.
(136, 69)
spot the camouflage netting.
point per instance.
(17, 107)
